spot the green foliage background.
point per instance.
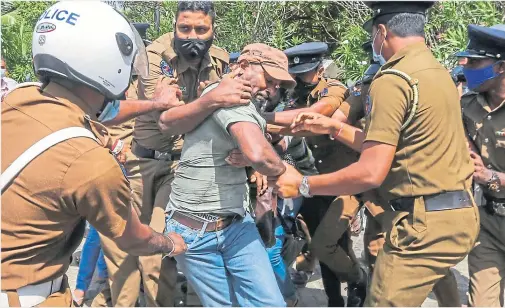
(281, 24)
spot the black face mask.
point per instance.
(192, 49)
(302, 88)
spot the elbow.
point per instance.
(256, 157)
(162, 126)
(166, 128)
(373, 180)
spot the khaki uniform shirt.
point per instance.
(486, 129)
(45, 208)
(431, 153)
(163, 61)
(329, 155)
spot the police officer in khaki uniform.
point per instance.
(422, 169)
(49, 190)
(484, 120)
(352, 111)
(187, 58)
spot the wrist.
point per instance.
(171, 246)
(336, 129)
(493, 182)
(208, 102)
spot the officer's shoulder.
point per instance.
(468, 98)
(334, 83)
(159, 45)
(384, 81)
(219, 53)
(25, 86)
(27, 92)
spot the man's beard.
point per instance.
(260, 101)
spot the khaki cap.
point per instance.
(273, 61)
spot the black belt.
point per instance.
(495, 206)
(439, 202)
(142, 152)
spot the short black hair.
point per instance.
(404, 24)
(194, 6)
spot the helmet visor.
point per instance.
(140, 64)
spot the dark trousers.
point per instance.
(313, 210)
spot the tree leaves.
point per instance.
(281, 24)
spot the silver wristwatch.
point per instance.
(304, 188)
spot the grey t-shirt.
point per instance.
(204, 182)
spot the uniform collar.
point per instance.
(320, 85)
(60, 92)
(482, 100)
(402, 53)
(183, 64)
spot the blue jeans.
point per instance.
(281, 270)
(91, 257)
(227, 267)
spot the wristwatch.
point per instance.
(304, 188)
(493, 184)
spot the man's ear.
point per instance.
(501, 67)
(320, 70)
(383, 30)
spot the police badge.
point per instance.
(166, 69)
(324, 92)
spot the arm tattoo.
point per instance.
(158, 243)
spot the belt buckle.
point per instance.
(162, 155)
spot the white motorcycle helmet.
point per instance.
(90, 43)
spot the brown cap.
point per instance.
(273, 61)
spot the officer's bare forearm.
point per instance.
(185, 118)
(141, 240)
(129, 109)
(256, 148)
(156, 243)
(368, 173)
(286, 131)
(285, 118)
(269, 163)
(349, 135)
(348, 181)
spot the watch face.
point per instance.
(304, 188)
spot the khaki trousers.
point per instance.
(325, 242)
(486, 263)
(419, 250)
(150, 181)
(446, 289)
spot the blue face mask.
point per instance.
(476, 77)
(2, 72)
(110, 111)
(378, 57)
